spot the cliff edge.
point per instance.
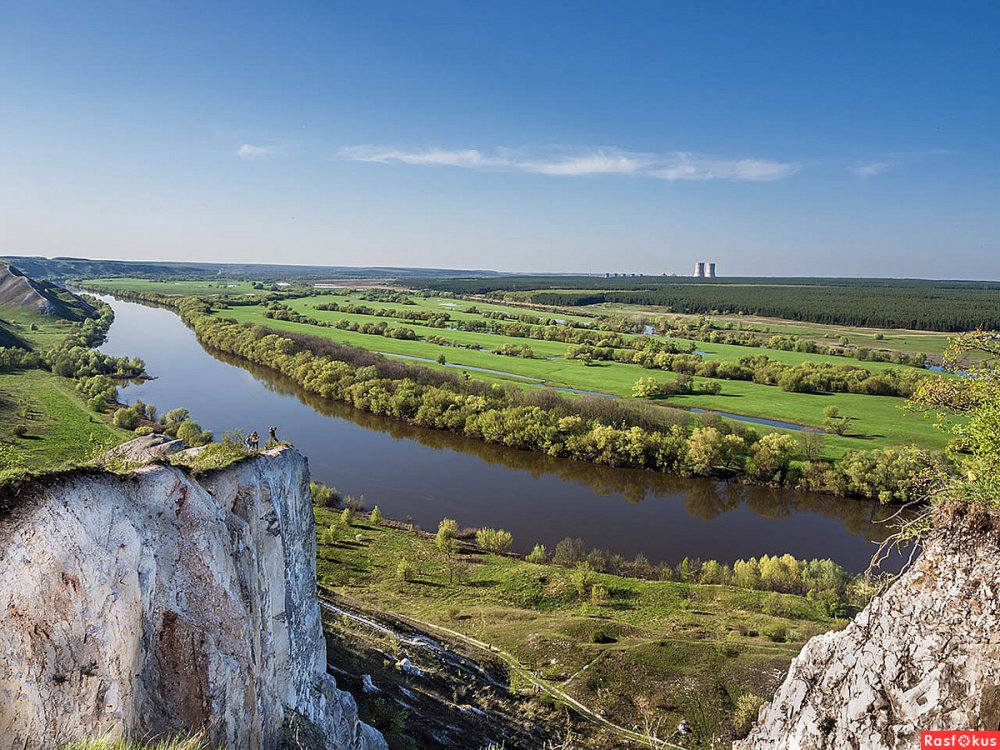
(923, 655)
(133, 606)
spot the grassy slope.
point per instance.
(60, 428)
(880, 420)
(672, 640)
(48, 331)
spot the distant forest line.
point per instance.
(876, 303)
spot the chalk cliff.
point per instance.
(923, 655)
(132, 606)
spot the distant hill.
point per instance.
(21, 292)
(60, 269)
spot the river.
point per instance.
(425, 475)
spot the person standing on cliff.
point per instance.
(272, 434)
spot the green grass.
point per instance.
(176, 288)
(39, 331)
(666, 640)
(893, 339)
(879, 421)
(60, 430)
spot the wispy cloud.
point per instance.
(894, 161)
(871, 169)
(249, 151)
(676, 165)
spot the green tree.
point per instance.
(494, 540)
(538, 554)
(376, 516)
(446, 539)
(835, 422)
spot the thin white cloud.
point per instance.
(678, 165)
(872, 169)
(249, 151)
(895, 160)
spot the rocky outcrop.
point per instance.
(923, 655)
(133, 606)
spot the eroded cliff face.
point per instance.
(135, 606)
(923, 655)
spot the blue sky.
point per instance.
(774, 138)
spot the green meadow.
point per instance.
(672, 642)
(878, 421)
(45, 424)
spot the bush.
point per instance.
(405, 570)
(497, 541)
(538, 554)
(376, 516)
(747, 707)
(599, 594)
(776, 633)
(191, 433)
(20, 430)
(323, 496)
(127, 419)
(143, 430)
(446, 539)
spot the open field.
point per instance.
(670, 642)
(932, 343)
(895, 303)
(58, 427)
(172, 287)
(879, 420)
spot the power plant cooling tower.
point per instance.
(711, 270)
(699, 269)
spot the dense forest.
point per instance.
(888, 303)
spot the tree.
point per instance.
(376, 516)
(345, 518)
(974, 394)
(127, 419)
(191, 433)
(446, 539)
(497, 541)
(834, 421)
(811, 444)
(538, 554)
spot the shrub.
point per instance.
(143, 430)
(20, 430)
(599, 594)
(777, 633)
(345, 518)
(582, 578)
(127, 419)
(334, 532)
(446, 538)
(538, 554)
(191, 433)
(323, 496)
(376, 516)
(494, 540)
(405, 570)
(747, 707)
